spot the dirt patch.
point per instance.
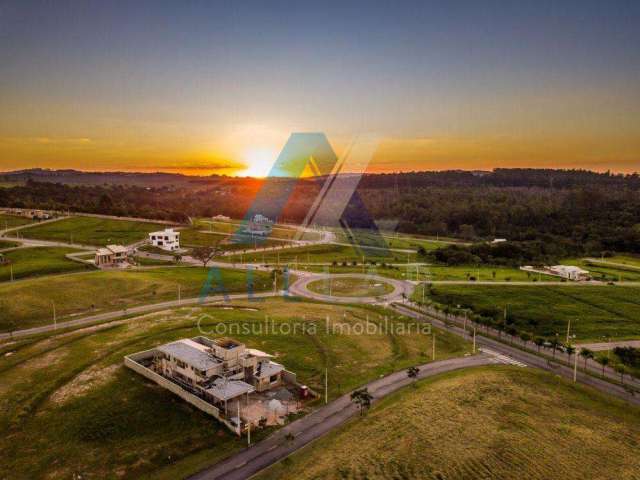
(87, 380)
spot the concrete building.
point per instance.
(167, 239)
(111, 255)
(223, 368)
(569, 272)
(259, 225)
(222, 377)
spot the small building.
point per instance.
(498, 240)
(167, 239)
(111, 255)
(259, 225)
(569, 272)
(221, 218)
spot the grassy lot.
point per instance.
(10, 221)
(607, 272)
(401, 241)
(490, 423)
(29, 262)
(190, 238)
(6, 244)
(325, 253)
(483, 273)
(28, 303)
(92, 231)
(351, 287)
(70, 393)
(436, 272)
(594, 311)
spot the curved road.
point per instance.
(301, 288)
(250, 461)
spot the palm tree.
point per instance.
(586, 354)
(604, 361)
(621, 369)
(570, 350)
(412, 372)
(539, 341)
(289, 437)
(362, 398)
(554, 345)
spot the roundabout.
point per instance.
(351, 288)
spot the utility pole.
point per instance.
(179, 295)
(249, 434)
(55, 320)
(433, 348)
(464, 328)
(11, 269)
(474, 339)
(568, 330)
(575, 367)
(326, 385)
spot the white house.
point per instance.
(570, 272)
(259, 225)
(167, 239)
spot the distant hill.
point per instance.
(501, 177)
(76, 177)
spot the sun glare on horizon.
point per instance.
(258, 161)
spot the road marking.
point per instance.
(500, 358)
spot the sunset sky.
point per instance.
(217, 87)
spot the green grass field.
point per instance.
(10, 221)
(351, 287)
(606, 273)
(29, 303)
(92, 231)
(491, 423)
(594, 311)
(70, 393)
(325, 253)
(29, 262)
(190, 238)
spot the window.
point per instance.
(181, 364)
(273, 378)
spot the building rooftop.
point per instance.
(270, 368)
(226, 390)
(189, 352)
(227, 343)
(166, 231)
(117, 248)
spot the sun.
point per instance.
(258, 161)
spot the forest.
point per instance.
(543, 213)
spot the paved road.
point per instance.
(599, 346)
(528, 358)
(300, 288)
(313, 426)
(102, 317)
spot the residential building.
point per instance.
(259, 225)
(570, 272)
(111, 255)
(167, 239)
(223, 378)
(223, 368)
